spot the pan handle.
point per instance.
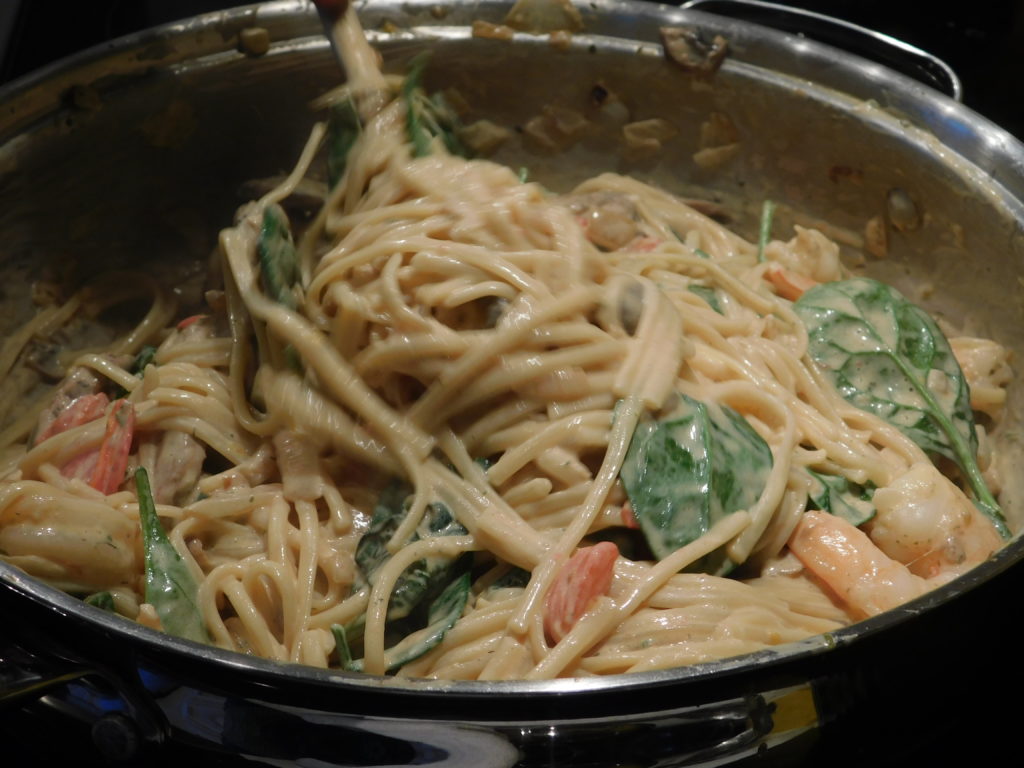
(867, 43)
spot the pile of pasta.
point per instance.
(459, 426)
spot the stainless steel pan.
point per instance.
(138, 150)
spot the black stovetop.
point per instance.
(983, 41)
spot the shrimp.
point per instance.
(81, 410)
(926, 533)
(810, 254)
(842, 556)
(586, 576)
(787, 283)
(927, 523)
(104, 467)
(73, 404)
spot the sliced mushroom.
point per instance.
(687, 48)
(622, 306)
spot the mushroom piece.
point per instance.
(687, 48)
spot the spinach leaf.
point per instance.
(170, 588)
(279, 263)
(422, 577)
(840, 497)
(514, 578)
(765, 230)
(689, 470)
(707, 293)
(887, 356)
(144, 358)
(343, 128)
(429, 117)
(102, 600)
(444, 611)
(341, 645)
(279, 268)
(138, 367)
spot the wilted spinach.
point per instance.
(837, 495)
(145, 356)
(170, 588)
(444, 611)
(102, 600)
(689, 470)
(421, 578)
(279, 267)
(765, 230)
(413, 626)
(707, 293)
(343, 128)
(279, 263)
(429, 117)
(887, 356)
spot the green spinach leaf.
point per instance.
(102, 600)
(765, 230)
(707, 293)
(145, 356)
(513, 578)
(689, 470)
(343, 128)
(444, 611)
(422, 577)
(279, 263)
(429, 117)
(279, 269)
(840, 497)
(170, 588)
(887, 356)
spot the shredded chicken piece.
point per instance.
(174, 463)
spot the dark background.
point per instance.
(982, 40)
